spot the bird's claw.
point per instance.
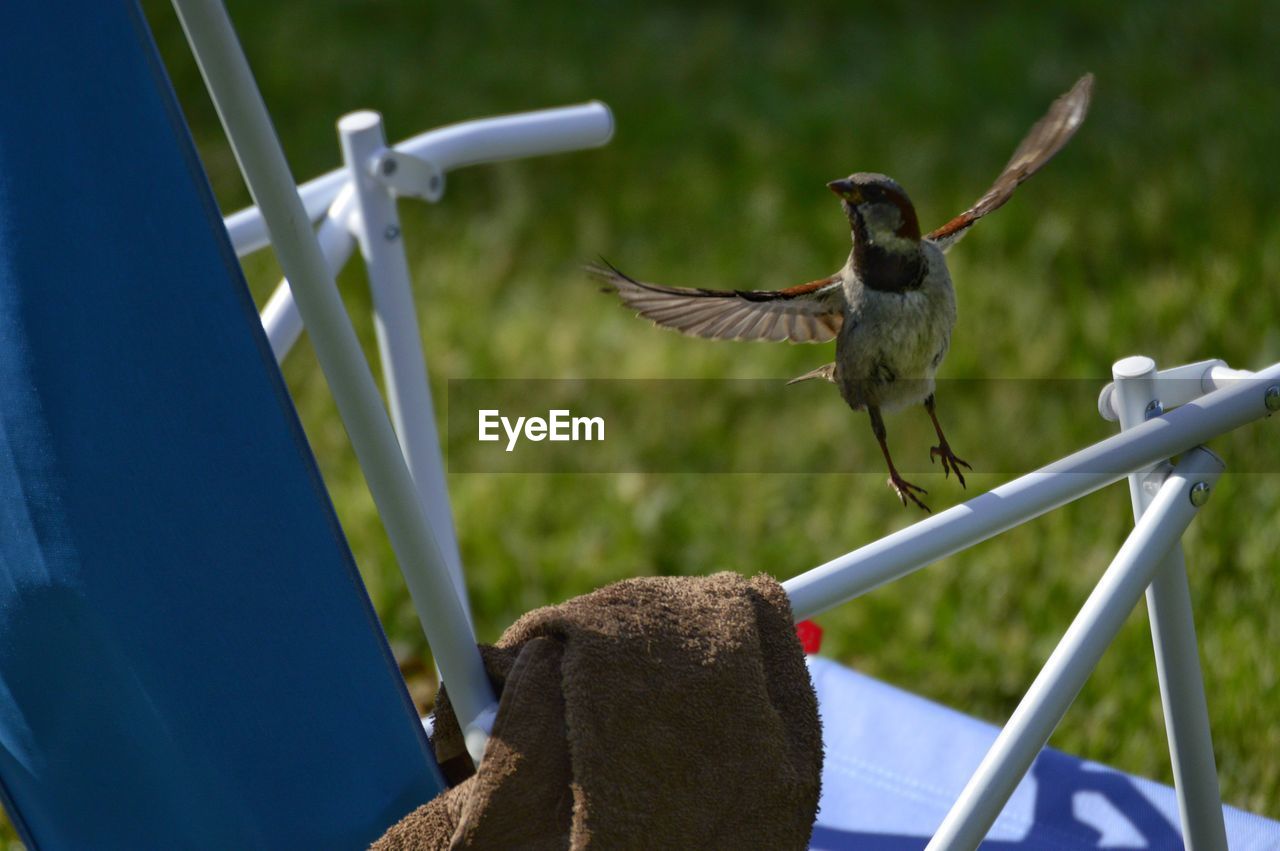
(904, 490)
(950, 461)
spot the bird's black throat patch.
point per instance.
(893, 269)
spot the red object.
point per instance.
(810, 635)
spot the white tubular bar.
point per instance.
(280, 317)
(1075, 657)
(1033, 494)
(1178, 385)
(404, 366)
(244, 118)
(1173, 635)
(506, 137)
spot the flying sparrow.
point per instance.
(891, 307)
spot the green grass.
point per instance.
(1155, 231)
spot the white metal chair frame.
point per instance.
(1161, 415)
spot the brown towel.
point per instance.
(664, 712)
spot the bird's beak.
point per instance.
(846, 189)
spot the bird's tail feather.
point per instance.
(827, 372)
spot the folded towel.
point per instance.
(663, 712)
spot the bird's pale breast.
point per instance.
(892, 343)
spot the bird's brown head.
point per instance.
(886, 233)
(877, 206)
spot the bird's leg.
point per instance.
(950, 461)
(904, 489)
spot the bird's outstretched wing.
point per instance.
(808, 313)
(1044, 140)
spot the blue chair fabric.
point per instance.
(188, 657)
(895, 763)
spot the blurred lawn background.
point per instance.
(1155, 231)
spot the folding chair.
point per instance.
(189, 657)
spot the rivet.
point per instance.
(392, 232)
(389, 166)
(1199, 494)
(1272, 397)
